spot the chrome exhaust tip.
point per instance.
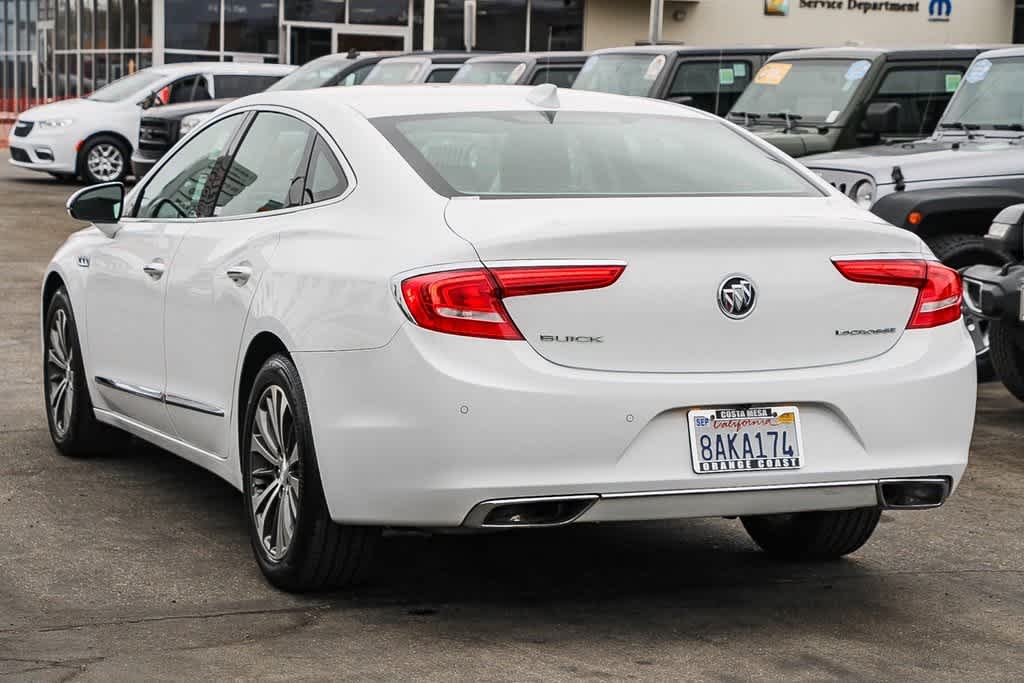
(526, 513)
(913, 494)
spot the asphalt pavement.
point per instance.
(136, 566)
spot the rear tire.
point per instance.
(69, 414)
(297, 545)
(961, 252)
(1008, 356)
(826, 535)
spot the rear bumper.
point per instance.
(424, 430)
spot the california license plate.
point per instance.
(745, 439)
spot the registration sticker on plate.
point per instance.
(745, 439)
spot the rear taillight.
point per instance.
(469, 302)
(940, 291)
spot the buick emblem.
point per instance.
(737, 297)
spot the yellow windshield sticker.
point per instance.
(772, 73)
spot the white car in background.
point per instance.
(499, 307)
(93, 137)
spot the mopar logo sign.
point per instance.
(940, 10)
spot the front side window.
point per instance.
(586, 154)
(267, 171)
(816, 90)
(991, 95)
(621, 74)
(180, 188)
(922, 93)
(711, 86)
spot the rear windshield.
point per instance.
(586, 154)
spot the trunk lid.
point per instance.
(663, 314)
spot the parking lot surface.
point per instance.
(136, 565)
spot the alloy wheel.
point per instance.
(60, 374)
(105, 162)
(275, 472)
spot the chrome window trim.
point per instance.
(332, 144)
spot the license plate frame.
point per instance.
(766, 454)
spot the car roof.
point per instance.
(1003, 52)
(341, 57)
(891, 54)
(529, 57)
(224, 67)
(410, 100)
(697, 50)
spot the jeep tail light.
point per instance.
(468, 302)
(940, 291)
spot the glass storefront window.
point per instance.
(390, 12)
(250, 26)
(556, 25)
(128, 36)
(115, 29)
(315, 10)
(146, 24)
(60, 22)
(100, 24)
(86, 24)
(87, 84)
(100, 77)
(192, 24)
(72, 25)
(500, 25)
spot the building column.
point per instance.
(158, 32)
(428, 24)
(657, 21)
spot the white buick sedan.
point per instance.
(503, 307)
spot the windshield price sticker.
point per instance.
(773, 73)
(953, 82)
(858, 70)
(833, 116)
(654, 68)
(979, 71)
(726, 77)
(740, 69)
(516, 73)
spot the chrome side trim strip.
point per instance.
(166, 399)
(133, 389)
(189, 404)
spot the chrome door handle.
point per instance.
(155, 269)
(240, 274)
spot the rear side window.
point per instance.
(240, 85)
(268, 170)
(586, 154)
(325, 179)
(922, 93)
(712, 86)
(563, 77)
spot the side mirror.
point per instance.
(1007, 231)
(100, 205)
(882, 117)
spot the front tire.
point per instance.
(961, 252)
(104, 159)
(297, 545)
(69, 414)
(826, 535)
(1008, 356)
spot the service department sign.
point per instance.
(938, 10)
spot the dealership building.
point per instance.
(63, 48)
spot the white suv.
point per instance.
(93, 137)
